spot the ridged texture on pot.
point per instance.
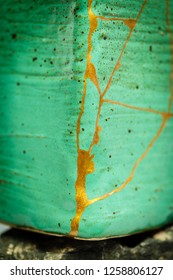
(86, 119)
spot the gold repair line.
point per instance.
(171, 56)
(96, 137)
(130, 22)
(132, 173)
(90, 69)
(85, 167)
(118, 64)
(138, 108)
(85, 164)
(91, 72)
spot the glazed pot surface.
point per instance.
(86, 118)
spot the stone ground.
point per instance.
(17, 244)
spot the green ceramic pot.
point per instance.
(86, 119)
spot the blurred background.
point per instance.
(3, 228)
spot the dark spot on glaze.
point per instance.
(34, 59)
(13, 36)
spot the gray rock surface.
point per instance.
(18, 244)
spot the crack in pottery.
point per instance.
(85, 164)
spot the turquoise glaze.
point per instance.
(86, 119)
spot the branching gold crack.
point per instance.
(130, 22)
(132, 173)
(85, 167)
(117, 66)
(85, 158)
(90, 72)
(85, 164)
(98, 128)
(149, 110)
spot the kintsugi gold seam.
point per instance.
(149, 110)
(132, 173)
(85, 164)
(116, 68)
(84, 161)
(81, 197)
